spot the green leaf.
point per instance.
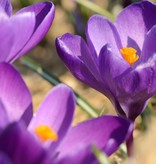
(95, 8)
(52, 79)
(101, 157)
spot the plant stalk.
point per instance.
(52, 79)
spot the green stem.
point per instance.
(33, 65)
(97, 9)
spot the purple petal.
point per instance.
(56, 110)
(137, 86)
(111, 66)
(4, 116)
(6, 36)
(149, 48)
(75, 46)
(15, 98)
(134, 22)
(20, 146)
(74, 52)
(4, 159)
(106, 132)
(22, 27)
(131, 107)
(44, 14)
(81, 155)
(101, 31)
(6, 5)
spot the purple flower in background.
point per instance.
(49, 137)
(119, 59)
(23, 30)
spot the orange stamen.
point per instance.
(129, 55)
(45, 133)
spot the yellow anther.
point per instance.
(46, 133)
(129, 54)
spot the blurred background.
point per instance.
(71, 16)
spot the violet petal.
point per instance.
(134, 22)
(56, 111)
(15, 98)
(22, 27)
(44, 13)
(149, 48)
(21, 146)
(71, 50)
(6, 5)
(106, 132)
(6, 36)
(100, 31)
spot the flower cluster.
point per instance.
(118, 59)
(47, 135)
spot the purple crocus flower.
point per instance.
(49, 137)
(23, 30)
(119, 59)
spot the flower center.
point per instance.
(45, 133)
(129, 54)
